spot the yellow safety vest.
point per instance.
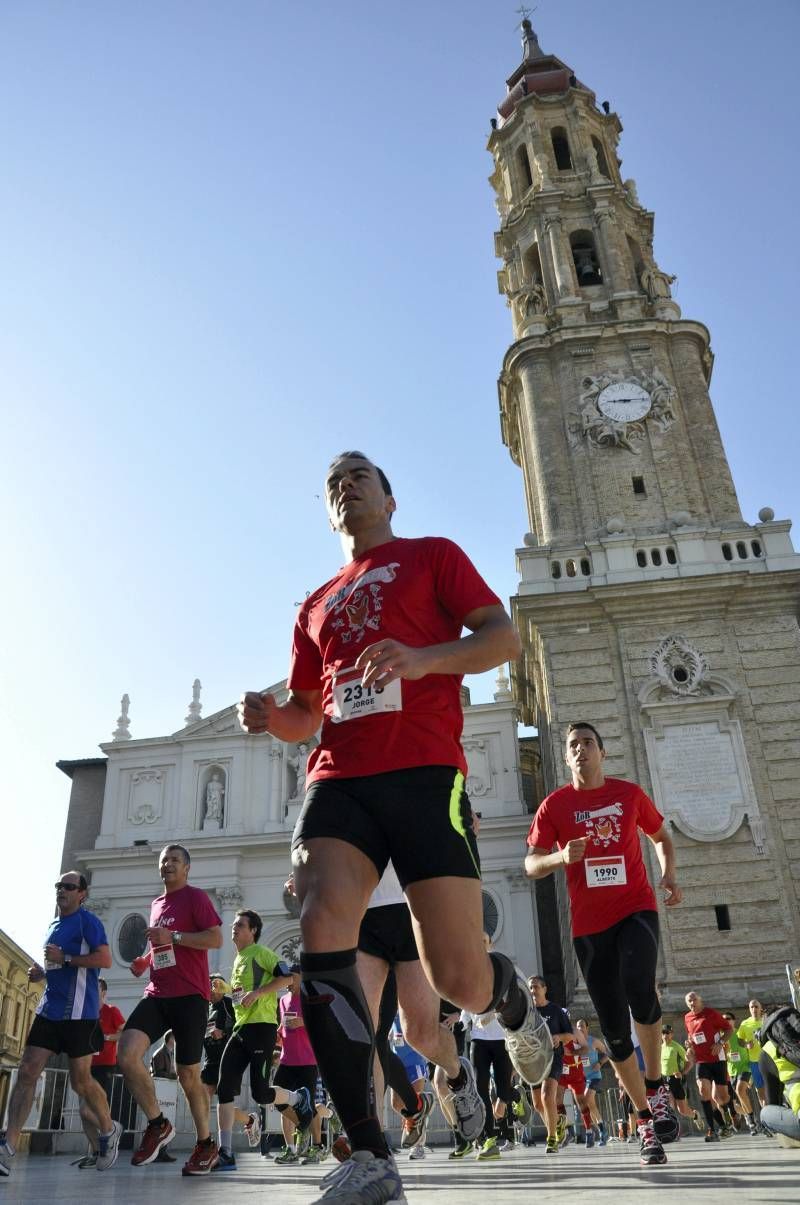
(788, 1074)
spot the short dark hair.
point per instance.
(184, 851)
(253, 919)
(384, 480)
(583, 724)
(102, 983)
(666, 1029)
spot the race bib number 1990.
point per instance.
(605, 872)
(351, 699)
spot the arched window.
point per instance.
(584, 255)
(586, 566)
(741, 548)
(602, 162)
(570, 567)
(561, 149)
(672, 556)
(555, 569)
(757, 549)
(641, 559)
(655, 556)
(727, 552)
(132, 937)
(523, 159)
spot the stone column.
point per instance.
(616, 262)
(229, 899)
(560, 256)
(275, 810)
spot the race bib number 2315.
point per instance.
(351, 699)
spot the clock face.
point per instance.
(624, 401)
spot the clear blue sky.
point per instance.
(239, 237)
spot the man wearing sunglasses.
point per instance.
(66, 1021)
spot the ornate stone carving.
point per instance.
(101, 907)
(146, 796)
(290, 949)
(590, 424)
(516, 879)
(679, 666)
(122, 732)
(542, 168)
(758, 831)
(479, 776)
(229, 896)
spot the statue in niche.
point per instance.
(215, 793)
(299, 763)
(535, 298)
(656, 283)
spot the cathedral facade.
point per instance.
(233, 799)
(647, 604)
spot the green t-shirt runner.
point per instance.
(747, 1033)
(738, 1056)
(673, 1058)
(254, 966)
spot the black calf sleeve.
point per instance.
(340, 1030)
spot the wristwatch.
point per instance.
(177, 938)
(66, 960)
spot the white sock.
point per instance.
(294, 1097)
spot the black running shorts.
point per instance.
(386, 933)
(293, 1078)
(420, 818)
(75, 1039)
(251, 1046)
(186, 1016)
(716, 1071)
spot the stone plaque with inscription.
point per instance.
(700, 775)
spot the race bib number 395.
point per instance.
(605, 872)
(351, 699)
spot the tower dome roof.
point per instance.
(538, 74)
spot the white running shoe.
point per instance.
(6, 1158)
(252, 1129)
(530, 1046)
(418, 1151)
(108, 1148)
(363, 1180)
(414, 1127)
(467, 1105)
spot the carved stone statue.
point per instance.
(632, 192)
(534, 298)
(215, 795)
(298, 763)
(655, 283)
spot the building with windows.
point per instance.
(647, 603)
(18, 1001)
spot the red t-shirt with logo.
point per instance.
(111, 1021)
(416, 592)
(705, 1030)
(611, 882)
(188, 910)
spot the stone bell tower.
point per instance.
(647, 605)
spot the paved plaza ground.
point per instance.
(742, 1168)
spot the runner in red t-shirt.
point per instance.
(377, 662)
(184, 926)
(706, 1030)
(595, 823)
(111, 1022)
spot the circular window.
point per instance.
(491, 914)
(131, 940)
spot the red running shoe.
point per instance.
(154, 1139)
(203, 1159)
(341, 1149)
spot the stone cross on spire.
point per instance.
(122, 730)
(530, 43)
(195, 707)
